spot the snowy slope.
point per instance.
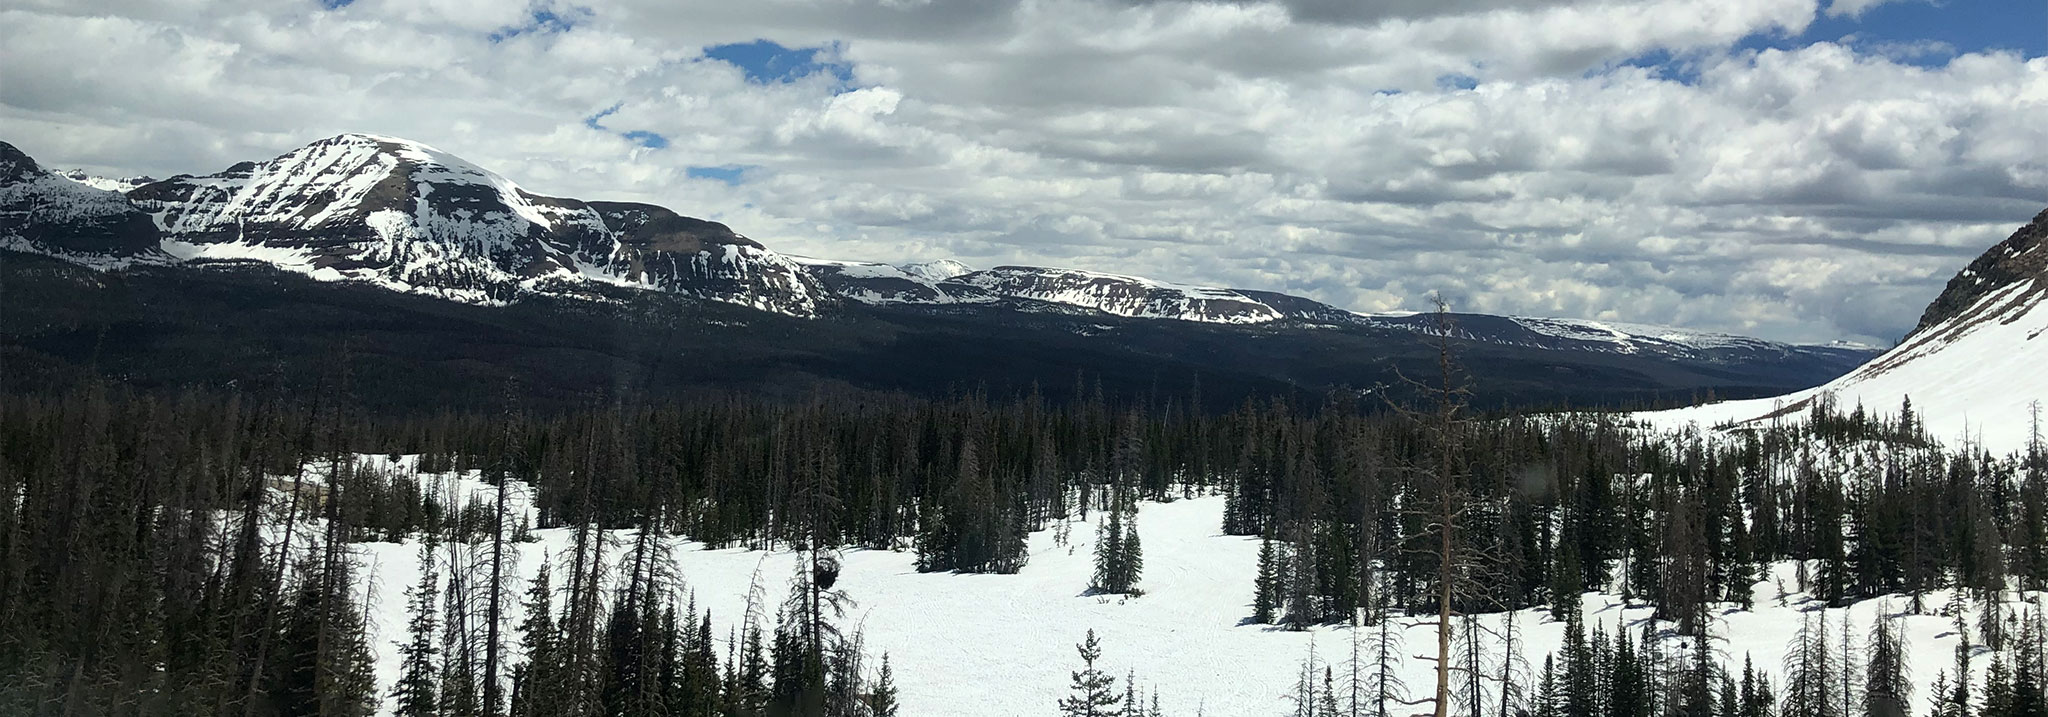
(1972, 369)
(121, 185)
(413, 218)
(1122, 295)
(1002, 645)
(44, 212)
(883, 284)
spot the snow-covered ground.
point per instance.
(1002, 645)
(1975, 379)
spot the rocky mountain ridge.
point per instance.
(408, 217)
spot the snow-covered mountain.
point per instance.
(405, 216)
(44, 212)
(111, 184)
(413, 218)
(1972, 368)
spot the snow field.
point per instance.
(1002, 645)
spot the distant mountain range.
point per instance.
(359, 212)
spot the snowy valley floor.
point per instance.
(1003, 645)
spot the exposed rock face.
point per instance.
(45, 212)
(418, 219)
(2018, 259)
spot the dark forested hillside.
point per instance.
(224, 326)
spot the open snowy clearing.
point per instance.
(1002, 645)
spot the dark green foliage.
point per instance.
(1093, 691)
(419, 676)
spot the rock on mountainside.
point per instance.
(1972, 368)
(2019, 259)
(414, 218)
(46, 213)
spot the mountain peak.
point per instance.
(2017, 259)
(46, 213)
(936, 270)
(16, 165)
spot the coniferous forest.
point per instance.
(191, 554)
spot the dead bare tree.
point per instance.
(1443, 501)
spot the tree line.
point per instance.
(190, 554)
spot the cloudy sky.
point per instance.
(1793, 169)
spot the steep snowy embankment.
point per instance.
(1971, 366)
(1975, 379)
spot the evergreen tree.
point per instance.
(1810, 670)
(882, 701)
(418, 678)
(1267, 592)
(1998, 696)
(1887, 687)
(534, 681)
(1093, 692)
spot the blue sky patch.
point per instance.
(1456, 82)
(640, 137)
(645, 138)
(766, 62)
(543, 20)
(335, 4)
(731, 174)
(1963, 25)
(596, 121)
(1908, 32)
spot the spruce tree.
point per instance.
(418, 673)
(1887, 684)
(534, 681)
(1266, 591)
(882, 701)
(1093, 692)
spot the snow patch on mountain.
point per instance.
(1119, 295)
(936, 270)
(121, 185)
(1634, 338)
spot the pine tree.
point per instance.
(534, 682)
(1266, 595)
(1547, 691)
(2026, 677)
(1887, 684)
(1119, 558)
(1809, 670)
(418, 678)
(882, 701)
(1093, 691)
(1326, 700)
(1998, 697)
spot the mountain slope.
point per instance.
(605, 290)
(413, 218)
(45, 212)
(1972, 368)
